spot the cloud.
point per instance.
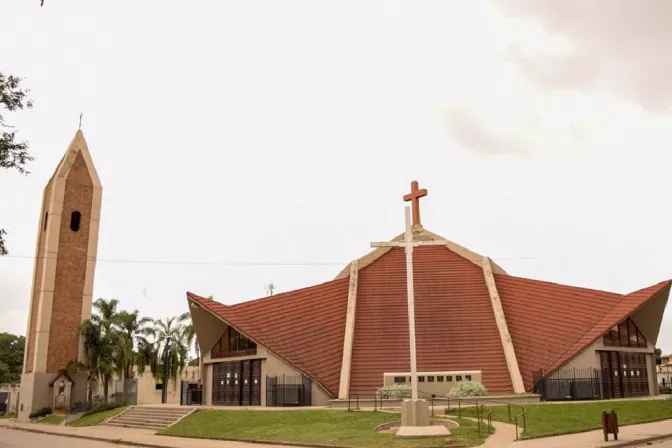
(617, 46)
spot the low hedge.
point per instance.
(43, 412)
(103, 407)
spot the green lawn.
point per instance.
(96, 418)
(53, 419)
(564, 418)
(322, 427)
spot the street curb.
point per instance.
(154, 445)
(637, 442)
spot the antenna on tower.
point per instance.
(269, 289)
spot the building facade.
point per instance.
(347, 337)
(65, 262)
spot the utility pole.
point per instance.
(164, 389)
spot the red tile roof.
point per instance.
(303, 327)
(455, 325)
(550, 323)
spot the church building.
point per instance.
(473, 321)
(65, 262)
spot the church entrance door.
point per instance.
(237, 383)
(624, 374)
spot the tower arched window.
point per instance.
(46, 217)
(75, 219)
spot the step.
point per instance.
(121, 425)
(143, 412)
(152, 415)
(158, 421)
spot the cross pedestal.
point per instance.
(414, 412)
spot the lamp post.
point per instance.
(164, 389)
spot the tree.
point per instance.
(13, 154)
(11, 354)
(659, 356)
(4, 373)
(133, 331)
(169, 352)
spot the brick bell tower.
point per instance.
(65, 263)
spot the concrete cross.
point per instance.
(409, 244)
(414, 197)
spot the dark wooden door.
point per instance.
(255, 378)
(624, 374)
(219, 384)
(236, 382)
(246, 387)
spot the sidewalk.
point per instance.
(631, 435)
(128, 436)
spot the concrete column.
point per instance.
(500, 318)
(348, 339)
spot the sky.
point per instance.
(244, 143)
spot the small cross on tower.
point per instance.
(414, 197)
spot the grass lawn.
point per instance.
(565, 418)
(327, 427)
(53, 419)
(96, 418)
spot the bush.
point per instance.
(468, 389)
(664, 390)
(395, 391)
(40, 413)
(103, 407)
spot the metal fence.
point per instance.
(568, 384)
(121, 397)
(284, 390)
(191, 394)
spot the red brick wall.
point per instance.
(37, 280)
(70, 269)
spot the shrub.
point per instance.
(103, 407)
(468, 389)
(395, 391)
(664, 390)
(40, 413)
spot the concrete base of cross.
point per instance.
(415, 421)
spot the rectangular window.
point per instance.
(439, 378)
(459, 378)
(158, 386)
(421, 379)
(632, 329)
(399, 379)
(430, 379)
(623, 333)
(468, 377)
(449, 378)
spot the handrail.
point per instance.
(523, 414)
(481, 415)
(512, 418)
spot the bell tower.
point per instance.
(65, 263)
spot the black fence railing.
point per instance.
(191, 394)
(569, 384)
(285, 390)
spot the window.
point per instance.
(430, 379)
(625, 334)
(449, 378)
(46, 219)
(421, 379)
(468, 377)
(459, 378)
(439, 378)
(158, 386)
(399, 379)
(75, 219)
(233, 344)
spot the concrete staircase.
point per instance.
(148, 417)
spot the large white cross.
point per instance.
(409, 244)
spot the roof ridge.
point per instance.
(563, 285)
(658, 287)
(286, 293)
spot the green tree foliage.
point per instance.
(659, 356)
(13, 153)
(4, 373)
(11, 355)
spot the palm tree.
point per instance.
(100, 339)
(190, 335)
(171, 350)
(132, 330)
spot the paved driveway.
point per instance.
(21, 439)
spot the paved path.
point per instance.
(121, 436)
(21, 439)
(628, 435)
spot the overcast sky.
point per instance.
(286, 133)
